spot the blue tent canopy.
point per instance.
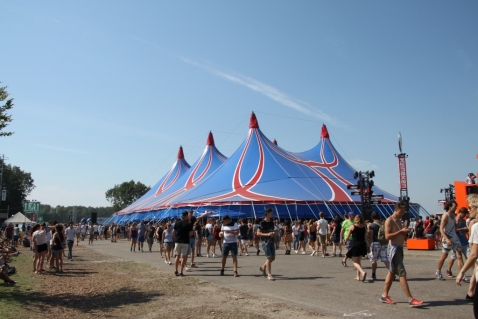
(260, 175)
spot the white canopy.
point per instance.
(18, 218)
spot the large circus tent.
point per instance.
(257, 176)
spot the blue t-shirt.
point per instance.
(462, 235)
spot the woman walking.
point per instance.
(288, 237)
(57, 247)
(301, 230)
(198, 234)
(312, 236)
(168, 242)
(134, 236)
(335, 235)
(359, 245)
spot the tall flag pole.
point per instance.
(402, 177)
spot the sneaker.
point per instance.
(465, 279)
(187, 269)
(374, 277)
(313, 253)
(303, 253)
(170, 263)
(449, 274)
(415, 302)
(222, 272)
(387, 300)
(194, 266)
(263, 271)
(270, 278)
(165, 261)
(439, 276)
(176, 273)
(236, 274)
(181, 275)
(258, 251)
(207, 255)
(247, 254)
(214, 255)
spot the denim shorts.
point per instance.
(229, 247)
(269, 249)
(192, 243)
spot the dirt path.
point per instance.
(95, 285)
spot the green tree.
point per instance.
(18, 184)
(125, 194)
(62, 213)
(4, 117)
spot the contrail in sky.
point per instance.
(269, 91)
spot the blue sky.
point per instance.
(107, 91)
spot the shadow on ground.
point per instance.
(85, 303)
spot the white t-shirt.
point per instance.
(83, 229)
(48, 235)
(323, 225)
(209, 229)
(70, 233)
(295, 229)
(95, 227)
(474, 234)
(40, 236)
(229, 238)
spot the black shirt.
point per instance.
(375, 227)
(243, 230)
(150, 231)
(266, 227)
(182, 229)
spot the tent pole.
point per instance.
(311, 210)
(287, 207)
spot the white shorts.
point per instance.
(181, 249)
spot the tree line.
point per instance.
(62, 213)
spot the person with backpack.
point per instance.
(379, 245)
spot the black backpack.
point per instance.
(26, 242)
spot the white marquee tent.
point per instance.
(18, 218)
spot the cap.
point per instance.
(351, 214)
(226, 217)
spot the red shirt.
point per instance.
(426, 223)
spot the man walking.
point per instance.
(395, 233)
(266, 233)
(183, 230)
(229, 232)
(141, 234)
(323, 227)
(346, 224)
(70, 239)
(379, 245)
(150, 235)
(450, 239)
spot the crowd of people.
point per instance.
(191, 236)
